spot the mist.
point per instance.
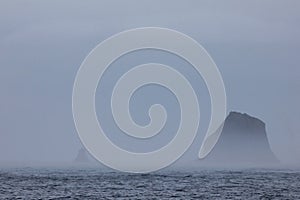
(255, 45)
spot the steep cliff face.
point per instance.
(243, 141)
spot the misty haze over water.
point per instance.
(255, 45)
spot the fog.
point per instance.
(255, 44)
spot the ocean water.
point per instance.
(42, 183)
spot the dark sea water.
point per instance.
(29, 183)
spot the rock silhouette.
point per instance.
(83, 157)
(243, 141)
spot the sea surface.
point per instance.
(43, 183)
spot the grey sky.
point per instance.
(42, 44)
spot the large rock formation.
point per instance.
(243, 141)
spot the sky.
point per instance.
(255, 45)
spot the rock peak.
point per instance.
(244, 121)
(243, 141)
